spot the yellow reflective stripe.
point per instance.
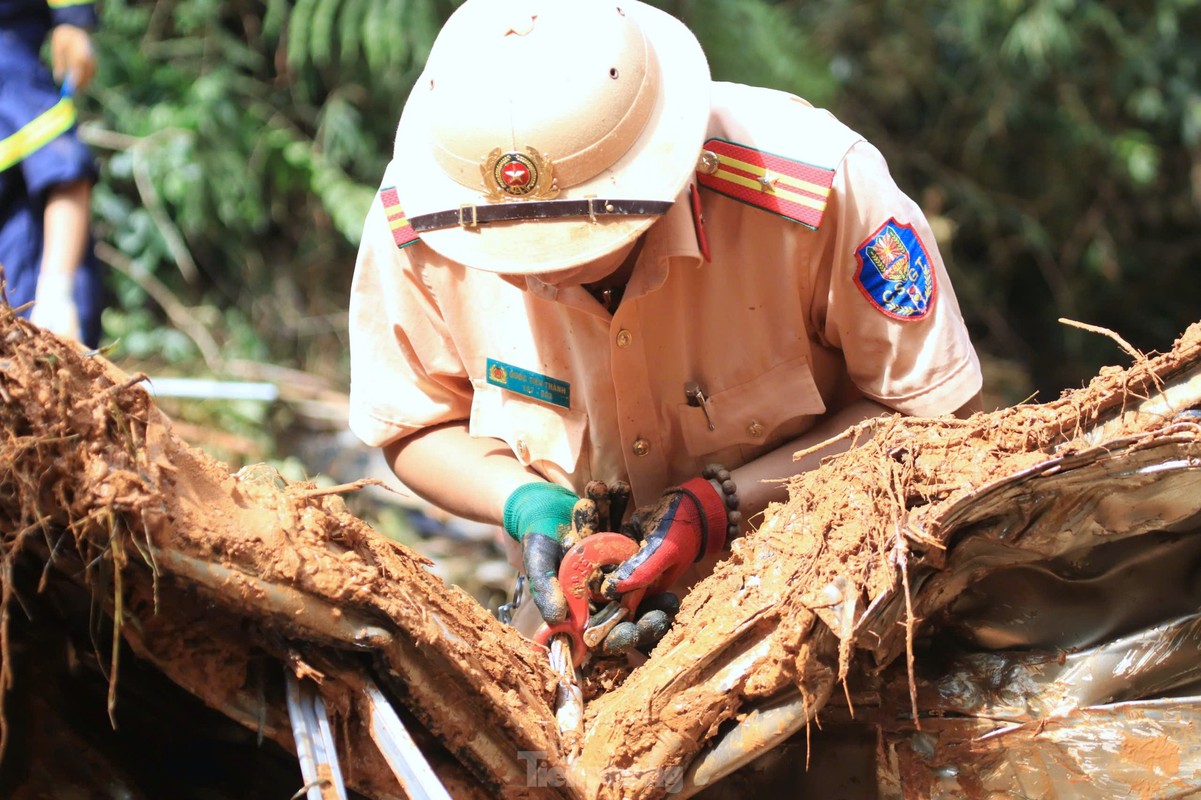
(67, 3)
(44, 127)
(783, 194)
(804, 185)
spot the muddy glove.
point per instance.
(538, 515)
(690, 521)
(652, 619)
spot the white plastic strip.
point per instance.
(209, 389)
(314, 741)
(400, 751)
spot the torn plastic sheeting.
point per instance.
(1097, 497)
(1082, 598)
(1144, 749)
(1024, 686)
(1183, 392)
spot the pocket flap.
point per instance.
(534, 431)
(752, 412)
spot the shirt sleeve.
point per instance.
(889, 306)
(72, 12)
(405, 373)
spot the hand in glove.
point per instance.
(54, 305)
(689, 522)
(538, 515)
(548, 520)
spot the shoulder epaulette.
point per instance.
(398, 222)
(792, 189)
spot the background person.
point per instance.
(46, 172)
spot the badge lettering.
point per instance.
(530, 384)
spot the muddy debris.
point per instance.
(223, 581)
(789, 607)
(203, 572)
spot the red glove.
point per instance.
(689, 522)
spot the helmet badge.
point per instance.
(518, 175)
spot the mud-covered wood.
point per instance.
(831, 575)
(204, 570)
(208, 574)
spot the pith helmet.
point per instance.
(546, 133)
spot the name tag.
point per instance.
(531, 384)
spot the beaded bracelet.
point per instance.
(716, 472)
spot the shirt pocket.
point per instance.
(533, 430)
(754, 417)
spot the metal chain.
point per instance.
(505, 612)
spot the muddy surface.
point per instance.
(752, 628)
(207, 573)
(219, 579)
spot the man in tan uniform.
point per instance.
(588, 261)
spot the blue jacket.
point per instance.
(33, 19)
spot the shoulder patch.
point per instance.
(894, 272)
(402, 232)
(792, 189)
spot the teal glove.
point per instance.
(538, 515)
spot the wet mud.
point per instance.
(219, 579)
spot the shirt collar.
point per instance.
(672, 237)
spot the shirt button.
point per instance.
(523, 452)
(624, 338)
(641, 447)
(755, 429)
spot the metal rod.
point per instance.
(209, 389)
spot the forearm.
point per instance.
(465, 476)
(762, 481)
(66, 228)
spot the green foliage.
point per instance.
(757, 43)
(1059, 140)
(241, 146)
(1056, 143)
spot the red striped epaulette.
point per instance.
(402, 232)
(792, 189)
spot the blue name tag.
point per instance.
(531, 384)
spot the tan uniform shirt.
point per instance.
(773, 329)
